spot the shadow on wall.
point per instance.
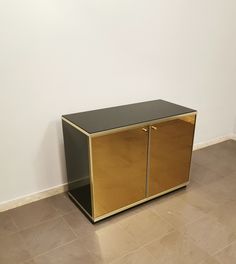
(49, 163)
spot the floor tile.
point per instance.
(168, 201)
(13, 249)
(203, 175)
(227, 255)
(198, 199)
(217, 192)
(106, 240)
(176, 248)
(33, 213)
(209, 234)
(140, 256)
(72, 253)
(77, 221)
(225, 149)
(226, 214)
(62, 203)
(47, 236)
(217, 158)
(178, 212)
(209, 260)
(203, 156)
(7, 225)
(229, 184)
(138, 226)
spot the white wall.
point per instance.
(58, 57)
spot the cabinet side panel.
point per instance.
(119, 169)
(76, 146)
(170, 155)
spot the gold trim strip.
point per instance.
(148, 123)
(80, 206)
(148, 161)
(91, 175)
(139, 202)
(190, 162)
(76, 127)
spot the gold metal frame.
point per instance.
(189, 174)
(76, 127)
(91, 135)
(91, 175)
(140, 202)
(148, 161)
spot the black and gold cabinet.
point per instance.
(122, 156)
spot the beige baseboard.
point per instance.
(213, 141)
(32, 197)
(62, 188)
(233, 136)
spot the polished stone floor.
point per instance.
(192, 225)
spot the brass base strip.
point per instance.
(139, 202)
(94, 220)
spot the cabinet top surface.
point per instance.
(126, 115)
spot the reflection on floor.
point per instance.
(192, 225)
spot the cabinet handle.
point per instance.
(144, 129)
(154, 128)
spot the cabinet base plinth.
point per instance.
(74, 200)
(97, 219)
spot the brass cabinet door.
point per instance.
(170, 153)
(119, 162)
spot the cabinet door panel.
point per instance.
(119, 169)
(170, 154)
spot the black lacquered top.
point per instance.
(125, 115)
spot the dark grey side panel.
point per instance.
(76, 146)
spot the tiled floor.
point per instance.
(196, 225)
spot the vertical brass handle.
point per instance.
(144, 129)
(154, 128)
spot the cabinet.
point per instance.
(122, 156)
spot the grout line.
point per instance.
(46, 252)
(129, 253)
(126, 254)
(208, 168)
(19, 229)
(61, 213)
(183, 225)
(68, 225)
(142, 246)
(13, 221)
(40, 223)
(221, 249)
